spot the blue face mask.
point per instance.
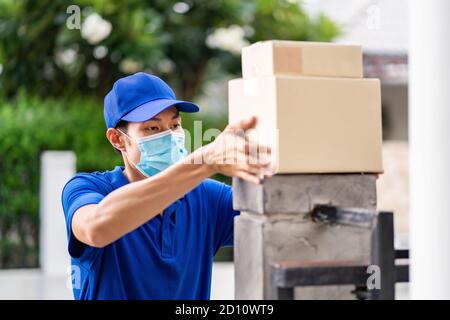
(159, 151)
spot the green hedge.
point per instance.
(150, 34)
(30, 125)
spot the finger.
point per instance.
(259, 161)
(260, 173)
(257, 150)
(261, 158)
(259, 169)
(269, 172)
(248, 177)
(244, 124)
(253, 169)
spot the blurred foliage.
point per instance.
(29, 126)
(40, 53)
(187, 43)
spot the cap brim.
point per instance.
(150, 109)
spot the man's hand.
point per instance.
(232, 154)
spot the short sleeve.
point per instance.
(220, 199)
(78, 192)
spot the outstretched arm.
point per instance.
(128, 207)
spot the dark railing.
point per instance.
(393, 265)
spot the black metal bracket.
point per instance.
(357, 218)
(392, 264)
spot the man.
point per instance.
(149, 229)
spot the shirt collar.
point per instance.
(118, 178)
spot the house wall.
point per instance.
(395, 111)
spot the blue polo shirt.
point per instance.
(168, 257)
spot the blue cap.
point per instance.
(139, 98)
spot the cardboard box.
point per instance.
(302, 58)
(314, 125)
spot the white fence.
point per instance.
(52, 280)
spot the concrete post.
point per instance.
(429, 132)
(57, 167)
(273, 226)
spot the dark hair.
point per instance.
(122, 126)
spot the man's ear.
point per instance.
(116, 139)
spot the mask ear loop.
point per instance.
(128, 159)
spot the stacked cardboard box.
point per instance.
(313, 106)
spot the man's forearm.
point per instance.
(127, 208)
